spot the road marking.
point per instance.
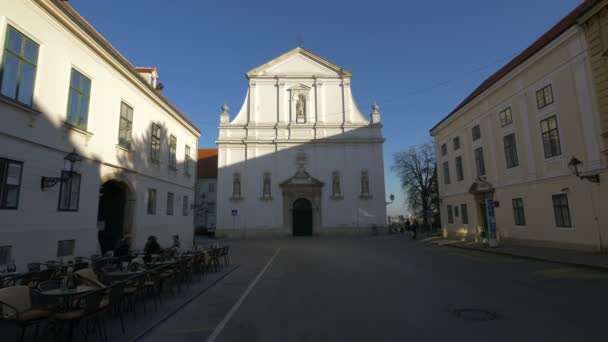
(238, 303)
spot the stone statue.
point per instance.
(236, 186)
(335, 186)
(364, 183)
(266, 189)
(301, 108)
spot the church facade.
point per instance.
(299, 158)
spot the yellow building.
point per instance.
(528, 141)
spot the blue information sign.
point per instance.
(234, 212)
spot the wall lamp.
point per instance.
(574, 164)
(71, 163)
(392, 198)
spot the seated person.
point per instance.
(152, 246)
(123, 247)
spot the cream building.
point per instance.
(299, 158)
(516, 139)
(65, 89)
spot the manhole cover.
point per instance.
(473, 314)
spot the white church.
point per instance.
(299, 158)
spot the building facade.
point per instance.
(206, 189)
(595, 24)
(299, 158)
(65, 89)
(517, 141)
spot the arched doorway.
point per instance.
(111, 213)
(302, 217)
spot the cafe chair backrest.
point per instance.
(49, 285)
(17, 297)
(33, 267)
(89, 277)
(91, 302)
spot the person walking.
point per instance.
(414, 228)
(407, 226)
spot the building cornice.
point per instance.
(297, 141)
(592, 11)
(67, 17)
(568, 34)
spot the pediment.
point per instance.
(301, 179)
(481, 186)
(300, 87)
(299, 62)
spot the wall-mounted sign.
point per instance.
(235, 212)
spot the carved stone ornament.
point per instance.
(375, 114)
(224, 115)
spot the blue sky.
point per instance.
(417, 59)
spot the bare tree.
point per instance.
(417, 170)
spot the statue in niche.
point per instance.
(364, 183)
(236, 186)
(266, 187)
(335, 184)
(301, 109)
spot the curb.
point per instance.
(530, 257)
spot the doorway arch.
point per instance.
(113, 213)
(302, 217)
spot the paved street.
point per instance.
(388, 288)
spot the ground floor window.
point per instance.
(518, 212)
(185, 204)
(5, 255)
(65, 248)
(464, 214)
(450, 215)
(561, 210)
(151, 201)
(69, 192)
(170, 197)
(10, 183)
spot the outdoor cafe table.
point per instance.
(122, 274)
(155, 264)
(67, 295)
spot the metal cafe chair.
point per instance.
(18, 307)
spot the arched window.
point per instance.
(364, 183)
(236, 185)
(335, 184)
(266, 185)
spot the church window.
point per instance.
(236, 185)
(266, 186)
(364, 183)
(335, 184)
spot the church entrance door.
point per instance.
(302, 217)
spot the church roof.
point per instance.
(299, 51)
(559, 28)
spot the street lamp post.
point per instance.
(71, 163)
(574, 165)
